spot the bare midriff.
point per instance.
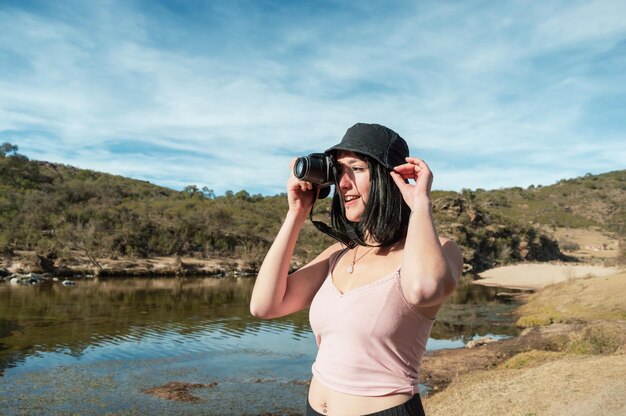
(330, 402)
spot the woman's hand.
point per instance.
(417, 170)
(300, 194)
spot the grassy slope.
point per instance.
(591, 200)
(583, 372)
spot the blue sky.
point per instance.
(224, 93)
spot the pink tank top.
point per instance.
(370, 340)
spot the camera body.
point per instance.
(317, 168)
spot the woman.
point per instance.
(371, 306)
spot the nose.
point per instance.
(345, 179)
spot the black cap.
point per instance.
(374, 140)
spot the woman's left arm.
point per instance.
(431, 266)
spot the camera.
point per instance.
(317, 168)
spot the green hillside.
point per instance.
(54, 209)
(591, 200)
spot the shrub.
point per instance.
(599, 339)
(569, 246)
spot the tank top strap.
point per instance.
(335, 258)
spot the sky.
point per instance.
(224, 94)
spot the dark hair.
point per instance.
(386, 216)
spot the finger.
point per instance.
(305, 185)
(408, 171)
(398, 179)
(407, 167)
(417, 161)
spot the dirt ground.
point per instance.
(574, 364)
(587, 244)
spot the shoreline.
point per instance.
(522, 276)
(81, 266)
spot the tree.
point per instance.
(191, 190)
(7, 148)
(209, 193)
(242, 195)
(468, 194)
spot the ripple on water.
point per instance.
(118, 337)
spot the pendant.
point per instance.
(351, 268)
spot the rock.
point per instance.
(68, 283)
(243, 273)
(33, 263)
(475, 343)
(178, 391)
(26, 279)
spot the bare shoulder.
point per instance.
(303, 284)
(329, 252)
(322, 258)
(453, 255)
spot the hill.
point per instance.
(587, 201)
(57, 211)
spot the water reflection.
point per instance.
(200, 313)
(473, 311)
(51, 324)
(95, 346)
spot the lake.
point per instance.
(94, 347)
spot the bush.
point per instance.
(570, 246)
(600, 339)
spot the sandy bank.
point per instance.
(539, 275)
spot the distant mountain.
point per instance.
(54, 209)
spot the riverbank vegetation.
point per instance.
(56, 211)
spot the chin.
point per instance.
(353, 217)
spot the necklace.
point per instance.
(354, 259)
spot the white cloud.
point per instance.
(503, 80)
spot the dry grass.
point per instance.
(592, 242)
(599, 298)
(600, 338)
(530, 359)
(569, 385)
(581, 371)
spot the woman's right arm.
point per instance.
(276, 293)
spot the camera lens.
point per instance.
(301, 167)
(314, 168)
